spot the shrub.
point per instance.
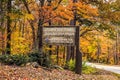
(85, 68)
(14, 59)
(71, 65)
(20, 59)
(5, 59)
(40, 58)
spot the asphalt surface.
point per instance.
(115, 69)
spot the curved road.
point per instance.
(114, 69)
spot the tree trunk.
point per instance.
(8, 44)
(108, 56)
(72, 52)
(114, 54)
(72, 48)
(50, 23)
(64, 54)
(33, 36)
(68, 54)
(78, 63)
(98, 49)
(116, 58)
(40, 23)
(2, 27)
(57, 52)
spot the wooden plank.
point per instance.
(59, 35)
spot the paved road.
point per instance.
(115, 69)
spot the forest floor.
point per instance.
(40, 73)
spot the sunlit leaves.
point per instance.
(19, 44)
(29, 16)
(86, 11)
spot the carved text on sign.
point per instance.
(59, 35)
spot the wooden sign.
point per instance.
(59, 35)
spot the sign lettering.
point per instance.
(59, 35)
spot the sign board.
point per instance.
(59, 35)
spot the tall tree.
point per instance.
(78, 64)
(32, 25)
(40, 23)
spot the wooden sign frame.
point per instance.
(78, 61)
(68, 35)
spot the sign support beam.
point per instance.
(78, 63)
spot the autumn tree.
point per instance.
(31, 24)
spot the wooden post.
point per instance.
(78, 63)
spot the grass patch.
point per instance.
(118, 75)
(88, 69)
